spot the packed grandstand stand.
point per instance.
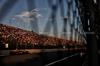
(29, 40)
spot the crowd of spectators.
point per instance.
(16, 37)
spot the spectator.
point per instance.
(14, 36)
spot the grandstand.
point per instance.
(17, 38)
